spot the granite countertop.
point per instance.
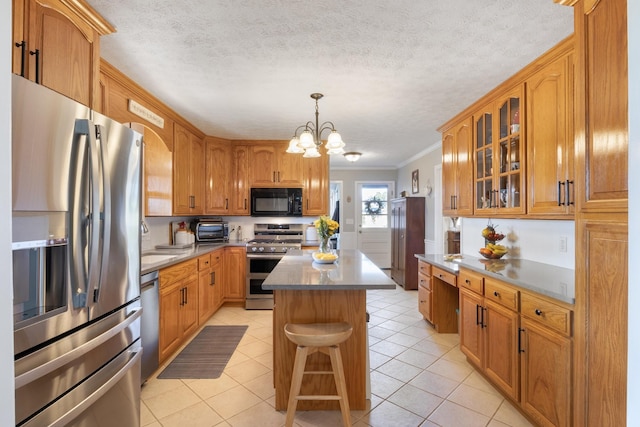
(175, 256)
(352, 271)
(546, 279)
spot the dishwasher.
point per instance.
(150, 321)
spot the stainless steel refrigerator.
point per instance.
(76, 263)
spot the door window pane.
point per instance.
(375, 204)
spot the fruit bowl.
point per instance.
(491, 255)
(324, 258)
(494, 237)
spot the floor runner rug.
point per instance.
(206, 355)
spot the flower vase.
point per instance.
(324, 247)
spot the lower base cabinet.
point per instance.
(522, 344)
(178, 306)
(235, 273)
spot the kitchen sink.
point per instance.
(155, 258)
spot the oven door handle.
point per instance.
(269, 256)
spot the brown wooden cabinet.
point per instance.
(521, 342)
(601, 166)
(315, 191)
(272, 166)
(218, 178)
(549, 123)
(178, 305)
(438, 297)
(457, 169)
(234, 273)
(545, 351)
(425, 291)
(188, 172)
(240, 186)
(157, 185)
(499, 154)
(209, 284)
(61, 42)
(489, 324)
(407, 239)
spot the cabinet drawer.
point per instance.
(216, 257)
(172, 274)
(424, 303)
(445, 276)
(470, 280)
(424, 268)
(424, 281)
(204, 262)
(546, 313)
(501, 293)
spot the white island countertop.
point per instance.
(352, 271)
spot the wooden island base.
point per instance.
(320, 306)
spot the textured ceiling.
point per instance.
(391, 72)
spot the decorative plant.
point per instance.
(326, 227)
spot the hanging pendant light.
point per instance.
(309, 140)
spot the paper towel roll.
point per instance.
(311, 233)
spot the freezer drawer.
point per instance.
(110, 397)
(46, 377)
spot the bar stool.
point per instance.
(324, 338)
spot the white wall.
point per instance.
(535, 240)
(7, 417)
(633, 388)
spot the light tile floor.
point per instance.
(418, 378)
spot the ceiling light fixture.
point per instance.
(352, 156)
(310, 140)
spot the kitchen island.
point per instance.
(308, 292)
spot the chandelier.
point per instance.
(310, 140)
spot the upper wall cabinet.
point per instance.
(457, 169)
(549, 123)
(57, 44)
(188, 172)
(272, 166)
(315, 191)
(217, 177)
(240, 180)
(498, 152)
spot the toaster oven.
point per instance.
(210, 230)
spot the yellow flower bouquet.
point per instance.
(326, 227)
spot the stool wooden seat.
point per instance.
(324, 338)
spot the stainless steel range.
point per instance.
(271, 243)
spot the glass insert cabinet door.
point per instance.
(498, 153)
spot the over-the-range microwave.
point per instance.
(276, 202)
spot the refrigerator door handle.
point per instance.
(53, 364)
(93, 397)
(84, 208)
(103, 195)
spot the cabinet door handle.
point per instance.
(451, 202)
(478, 314)
(186, 296)
(181, 296)
(245, 203)
(278, 176)
(496, 294)
(213, 278)
(455, 202)
(520, 349)
(226, 203)
(23, 47)
(568, 193)
(560, 184)
(538, 312)
(483, 324)
(274, 176)
(37, 55)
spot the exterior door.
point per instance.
(373, 221)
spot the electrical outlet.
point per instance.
(562, 247)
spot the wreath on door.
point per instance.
(373, 206)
